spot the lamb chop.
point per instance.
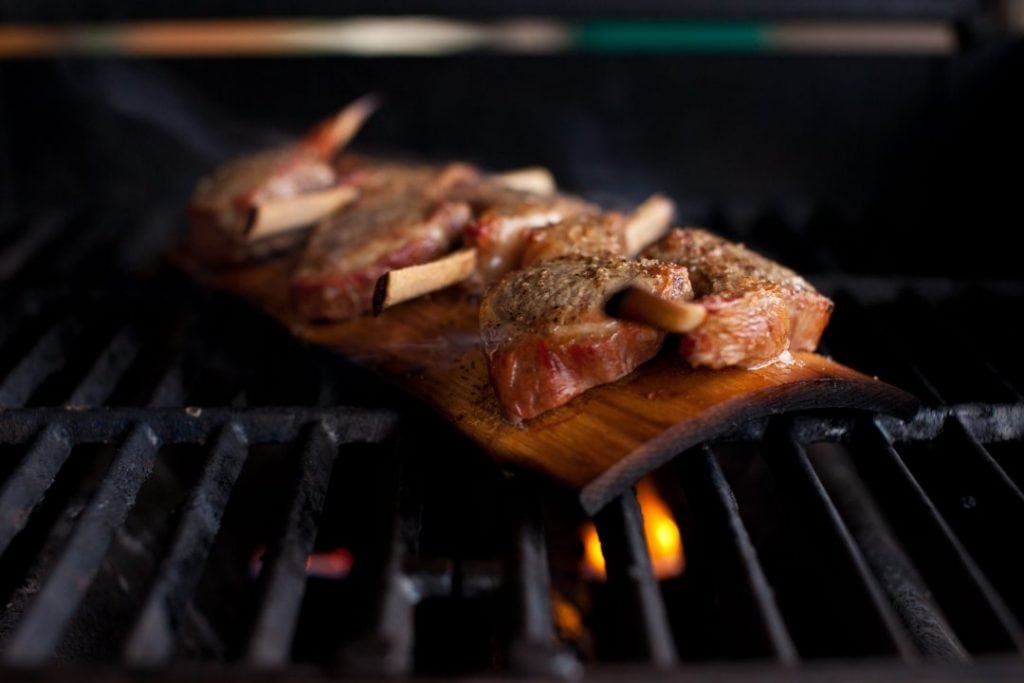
(505, 218)
(504, 244)
(756, 309)
(406, 215)
(253, 206)
(546, 335)
(606, 234)
(403, 216)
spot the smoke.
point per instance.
(163, 108)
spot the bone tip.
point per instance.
(380, 293)
(662, 202)
(613, 306)
(366, 105)
(251, 217)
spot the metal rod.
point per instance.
(1003, 483)
(152, 640)
(49, 613)
(387, 647)
(788, 459)
(277, 424)
(47, 357)
(714, 507)
(376, 36)
(171, 389)
(25, 488)
(284, 575)
(387, 650)
(620, 528)
(101, 379)
(535, 650)
(194, 425)
(955, 555)
(923, 617)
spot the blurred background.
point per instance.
(856, 136)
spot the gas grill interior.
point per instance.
(188, 491)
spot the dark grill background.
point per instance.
(851, 543)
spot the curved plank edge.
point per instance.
(826, 393)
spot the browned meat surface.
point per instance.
(402, 217)
(757, 309)
(548, 339)
(272, 174)
(222, 200)
(219, 210)
(505, 219)
(581, 235)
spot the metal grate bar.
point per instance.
(621, 531)
(977, 499)
(110, 365)
(25, 488)
(45, 358)
(172, 388)
(985, 422)
(973, 375)
(32, 241)
(284, 577)
(714, 508)
(924, 619)
(387, 647)
(788, 458)
(152, 640)
(996, 474)
(40, 630)
(954, 555)
(193, 425)
(535, 649)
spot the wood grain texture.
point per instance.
(601, 442)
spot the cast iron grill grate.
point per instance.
(164, 488)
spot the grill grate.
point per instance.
(130, 520)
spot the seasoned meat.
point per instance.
(402, 217)
(548, 339)
(757, 309)
(600, 234)
(216, 215)
(505, 219)
(220, 206)
(585, 234)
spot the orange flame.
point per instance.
(664, 543)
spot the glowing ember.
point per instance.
(568, 620)
(332, 564)
(664, 543)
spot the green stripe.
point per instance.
(670, 36)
